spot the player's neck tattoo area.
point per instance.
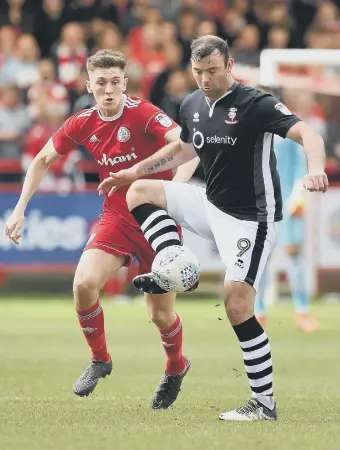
(160, 163)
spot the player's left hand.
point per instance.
(116, 180)
(316, 182)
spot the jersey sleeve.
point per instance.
(65, 139)
(157, 123)
(185, 133)
(272, 116)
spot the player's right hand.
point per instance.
(116, 180)
(14, 225)
(316, 182)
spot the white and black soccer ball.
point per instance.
(176, 269)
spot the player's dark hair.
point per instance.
(205, 46)
(105, 59)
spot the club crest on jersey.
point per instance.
(231, 116)
(164, 120)
(123, 134)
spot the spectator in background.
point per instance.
(278, 14)
(134, 74)
(212, 8)
(135, 39)
(265, 15)
(242, 7)
(325, 30)
(83, 11)
(188, 20)
(22, 67)
(48, 22)
(279, 17)
(18, 13)
(14, 122)
(121, 7)
(327, 16)
(169, 32)
(206, 27)
(110, 38)
(94, 30)
(167, 8)
(110, 10)
(153, 15)
(53, 111)
(278, 37)
(319, 39)
(173, 58)
(258, 16)
(79, 96)
(47, 70)
(230, 25)
(134, 16)
(8, 42)
(70, 53)
(176, 90)
(48, 82)
(303, 12)
(246, 46)
(146, 50)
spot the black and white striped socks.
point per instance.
(257, 359)
(158, 227)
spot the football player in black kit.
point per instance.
(231, 128)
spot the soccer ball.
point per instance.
(176, 269)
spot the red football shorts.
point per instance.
(116, 237)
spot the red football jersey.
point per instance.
(136, 132)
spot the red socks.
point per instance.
(172, 342)
(92, 324)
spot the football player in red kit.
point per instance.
(117, 132)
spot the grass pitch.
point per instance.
(42, 352)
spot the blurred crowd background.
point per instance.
(44, 45)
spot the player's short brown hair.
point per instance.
(204, 46)
(105, 59)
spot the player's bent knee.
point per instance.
(239, 302)
(161, 309)
(162, 319)
(145, 191)
(234, 310)
(85, 291)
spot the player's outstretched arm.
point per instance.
(186, 171)
(316, 180)
(168, 157)
(35, 173)
(172, 155)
